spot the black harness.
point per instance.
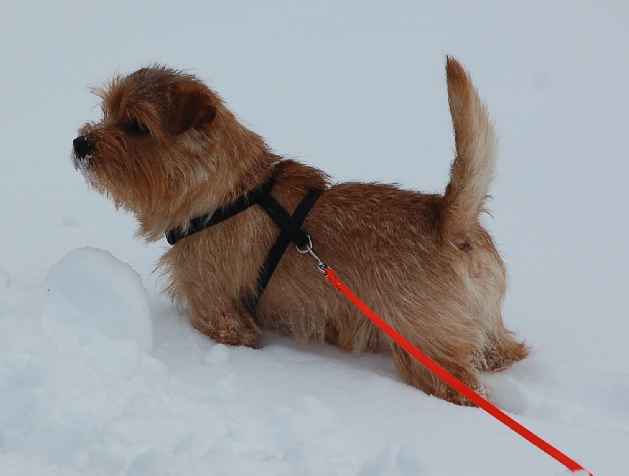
(289, 225)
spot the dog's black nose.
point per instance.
(82, 146)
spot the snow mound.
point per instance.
(92, 294)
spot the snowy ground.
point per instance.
(101, 375)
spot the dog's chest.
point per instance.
(225, 257)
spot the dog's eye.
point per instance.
(135, 128)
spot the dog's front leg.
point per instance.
(227, 324)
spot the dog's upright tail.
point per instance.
(473, 167)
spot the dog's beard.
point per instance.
(84, 165)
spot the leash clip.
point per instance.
(308, 250)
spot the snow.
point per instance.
(91, 292)
(100, 374)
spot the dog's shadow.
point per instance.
(375, 363)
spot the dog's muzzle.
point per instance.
(83, 147)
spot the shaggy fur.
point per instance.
(169, 150)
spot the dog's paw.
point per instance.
(230, 329)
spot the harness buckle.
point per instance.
(307, 249)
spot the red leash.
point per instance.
(443, 374)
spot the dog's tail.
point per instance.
(473, 167)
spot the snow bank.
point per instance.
(91, 292)
(85, 389)
(69, 379)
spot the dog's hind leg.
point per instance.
(415, 374)
(502, 351)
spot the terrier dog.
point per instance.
(169, 150)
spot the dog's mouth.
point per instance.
(82, 163)
(83, 152)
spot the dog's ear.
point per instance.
(192, 107)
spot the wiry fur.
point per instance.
(423, 262)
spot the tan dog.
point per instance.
(169, 150)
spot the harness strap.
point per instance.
(291, 232)
(209, 219)
(289, 225)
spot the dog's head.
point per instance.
(165, 140)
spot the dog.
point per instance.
(169, 150)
